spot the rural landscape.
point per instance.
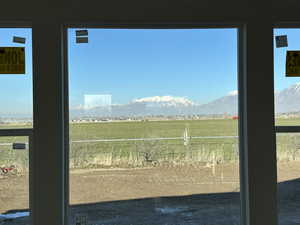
(175, 166)
(179, 168)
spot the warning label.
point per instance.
(293, 63)
(12, 60)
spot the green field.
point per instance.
(150, 151)
(154, 129)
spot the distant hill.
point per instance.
(227, 104)
(286, 101)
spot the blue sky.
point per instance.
(198, 64)
(281, 81)
(16, 90)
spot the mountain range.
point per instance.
(286, 101)
(162, 106)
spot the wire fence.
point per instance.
(136, 152)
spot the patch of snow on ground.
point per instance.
(170, 210)
(13, 215)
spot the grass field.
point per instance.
(138, 153)
(201, 174)
(210, 148)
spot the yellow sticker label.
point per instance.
(12, 60)
(292, 64)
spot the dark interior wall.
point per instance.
(138, 11)
(50, 191)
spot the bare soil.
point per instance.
(168, 195)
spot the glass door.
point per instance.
(15, 125)
(287, 121)
(153, 126)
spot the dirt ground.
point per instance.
(164, 195)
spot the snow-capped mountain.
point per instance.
(287, 100)
(165, 106)
(165, 101)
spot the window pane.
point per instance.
(154, 127)
(15, 112)
(16, 89)
(287, 110)
(288, 169)
(287, 89)
(14, 180)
